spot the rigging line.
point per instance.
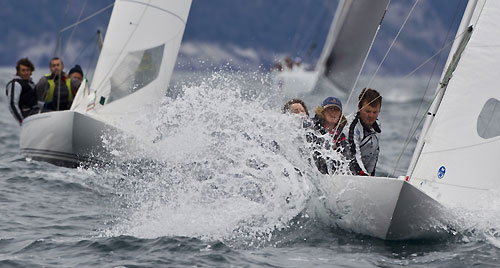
(92, 59)
(296, 37)
(59, 37)
(357, 79)
(410, 132)
(431, 57)
(362, 66)
(83, 50)
(74, 28)
(393, 42)
(408, 139)
(412, 72)
(319, 26)
(86, 18)
(417, 68)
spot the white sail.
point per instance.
(352, 31)
(138, 55)
(349, 40)
(459, 159)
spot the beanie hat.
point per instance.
(76, 69)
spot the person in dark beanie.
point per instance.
(76, 73)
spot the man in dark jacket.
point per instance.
(362, 132)
(57, 89)
(21, 94)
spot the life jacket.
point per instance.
(27, 99)
(52, 85)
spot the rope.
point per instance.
(87, 44)
(92, 59)
(393, 42)
(59, 37)
(319, 26)
(359, 73)
(74, 28)
(86, 18)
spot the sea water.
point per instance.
(221, 179)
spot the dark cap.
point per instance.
(332, 101)
(76, 69)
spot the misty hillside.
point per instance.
(246, 34)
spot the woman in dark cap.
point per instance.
(76, 73)
(328, 123)
(329, 118)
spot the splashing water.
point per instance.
(480, 221)
(221, 162)
(224, 164)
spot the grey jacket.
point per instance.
(363, 146)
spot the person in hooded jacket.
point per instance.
(20, 91)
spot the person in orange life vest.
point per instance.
(56, 89)
(328, 124)
(21, 94)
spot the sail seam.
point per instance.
(463, 147)
(157, 7)
(86, 18)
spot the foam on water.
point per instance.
(481, 220)
(222, 163)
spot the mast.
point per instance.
(463, 35)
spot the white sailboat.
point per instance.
(454, 164)
(133, 70)
(352, 31)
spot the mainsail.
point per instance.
(137, 58)
(349, 40)
(459, 158)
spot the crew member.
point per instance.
(57, 89)
(21, 94)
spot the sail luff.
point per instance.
(455, 52)
(462, 146)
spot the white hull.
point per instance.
(65, 138)
(305, 85)
(386, 208)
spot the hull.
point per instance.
(386, 208)
(295, 82)
(64, 138)
(305, 85)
